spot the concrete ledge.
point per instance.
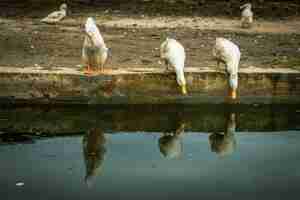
(147, 118)
(144, 86)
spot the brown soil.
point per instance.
(134, 38)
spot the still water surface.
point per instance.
(177, 164)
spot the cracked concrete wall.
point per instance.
(152, 88)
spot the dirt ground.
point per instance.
(134, 33)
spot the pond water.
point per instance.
(221, 156)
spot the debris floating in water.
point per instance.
(20, 184)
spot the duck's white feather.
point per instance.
(172, 51)
(92, 30)
(246, 15)
(56, 16)
(94, 51)
(229, 53)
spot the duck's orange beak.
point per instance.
(232, 93)
(183, 89)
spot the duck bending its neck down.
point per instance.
(228, 53)
(172, 52)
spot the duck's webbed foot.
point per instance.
(230, 100)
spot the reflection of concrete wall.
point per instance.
(142, 118)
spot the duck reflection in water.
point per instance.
(170, 144)
(224, 143)
(93, 151)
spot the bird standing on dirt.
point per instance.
(247, 15)
(56, 16)
(94, 51)
(172, 52)
(228, 53)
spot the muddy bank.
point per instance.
(60, 46)
(44, 61)
(263, 9)
(134, 37)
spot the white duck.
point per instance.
(56, 16)
(172, 52)
(228, 53)
(247, 15)
(94, 51)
